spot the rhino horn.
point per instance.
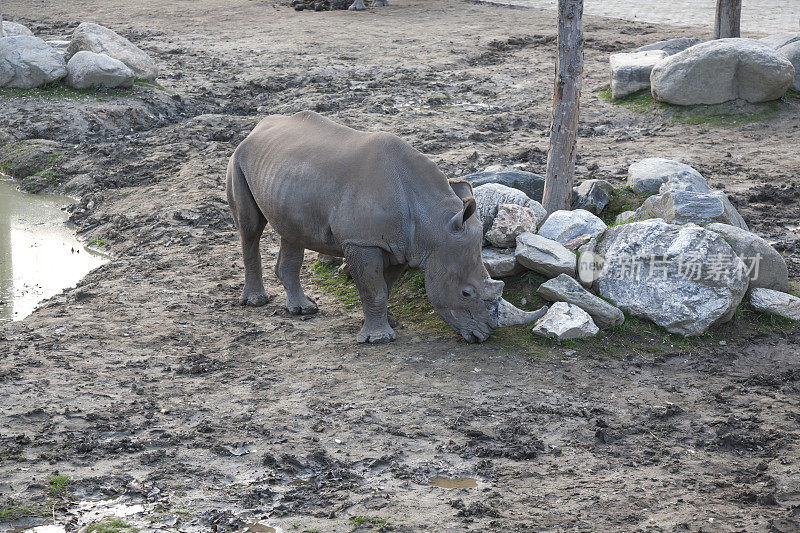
(508, 315)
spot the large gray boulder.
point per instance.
(491, 195)
(511, 220)
(722, 70)
(564, 321)
(13, 29)
(565, 289)
(101, 40)
(562, 226)
(500, 263)
(791, 52)
(87, 69)
(767, 268)
(27, 62)
(647, 176)
(631, 72)
(592, 195)
(671, 46)
(686, 206)
(683, 278)
(776, 303)
(528, 182)
(544, 256)
(780, 40)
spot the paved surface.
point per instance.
(758, 16)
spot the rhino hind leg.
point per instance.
(367, 269)
(251, 223)
(290, 260)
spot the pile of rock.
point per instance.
(684, 260)
(686, 71)
(94, 57)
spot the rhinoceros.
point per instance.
(374, 200)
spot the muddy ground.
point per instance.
(148, 381)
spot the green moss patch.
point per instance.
(111, 525)
(727, 114)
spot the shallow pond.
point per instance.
(39, 254)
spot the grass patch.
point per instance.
(11, 511)
(623, 199)
(58, 90)
(327, 277)
(727, 114)
(111, 525)
(58, 484)
(360, 522)
(638, 102)
(139, 82)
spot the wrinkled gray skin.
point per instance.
(374, 200)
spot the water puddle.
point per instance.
(39, 255)
(454, 482)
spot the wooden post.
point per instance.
(566, 106)
(728, 19)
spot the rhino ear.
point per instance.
(463, 190)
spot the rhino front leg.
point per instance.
(290, 259)
(390, 275)
(367, 269)
(379, 3)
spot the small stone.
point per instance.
(684, 207)
(87, 69)
(562, 226)
(630, 72)
(577, 242)
(593, 196)
(529, 183)
(766, 266)
(491, 195)
(647, 176)
(544, 256)
(511, 220)
(564, 321)
(500, 264)
(776, 303)
(565, 289)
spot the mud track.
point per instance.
(149, 382)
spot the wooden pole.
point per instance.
(728, 19)
(566, 107)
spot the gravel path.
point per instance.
(764, 16)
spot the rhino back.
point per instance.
(325, 185)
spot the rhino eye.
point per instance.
(467, 293)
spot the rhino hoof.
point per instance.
(256, 299)
(380, 336)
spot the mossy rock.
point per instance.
(34, 162)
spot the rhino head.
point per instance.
(457, 283)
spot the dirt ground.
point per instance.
(148, 382)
